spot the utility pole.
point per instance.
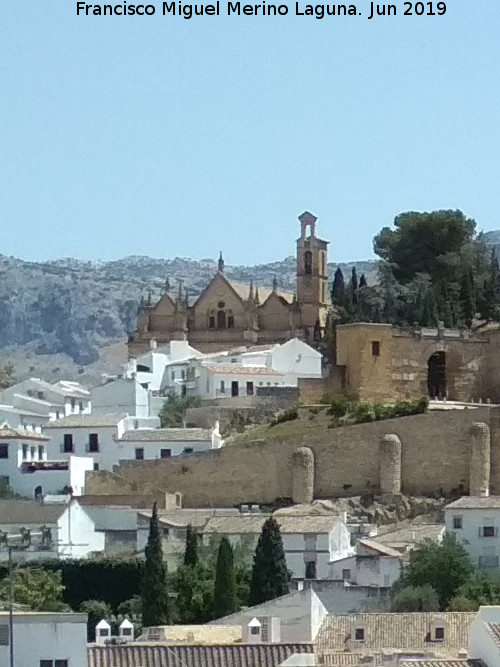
(11, 613)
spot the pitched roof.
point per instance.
(408, 535)
(380, 548)
(240, 655)
(21, 512)
(168, 435)
(8, 433)
(184, 517)
(243, 290)
(475, 502)
(86, 421)
(113, 518)
(242, 370)
(252, 524)
(410, 632)
(441, 663)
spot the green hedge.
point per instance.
(112, 580)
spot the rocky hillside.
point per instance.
(58, 318)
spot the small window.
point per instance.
(127, 631)
(173, 375)
(73, 404)
(93, 442)
(68, 443)
(96, 467)
(222, 387)
(230, 322)
(346, 575)
(46, 663)
(308, 262)
(80, 406)
(25, 452)
(211, 322)
(139, 454)
(457, 523)
(249, 388)
(359, 634)
(255, 630)
(488, 531)
(61, 663)
(4, 451)
(41, 452)
(165, 453)
(4, 635)
(311, 569)
(188, 450)
(375, 348)
(439, 633)
(103, 632)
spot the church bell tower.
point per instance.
(313, 295)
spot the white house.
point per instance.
(226, 381)
(311, 543)
(26, 468)
(484, 634)
(39, 530)
(149, 368)
(475, 523)
(109, 439)
(23, 419)
(121, 395)
(44, 639)
(373, 565)
(53, 400)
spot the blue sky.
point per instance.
(167, 137)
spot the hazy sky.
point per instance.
(168, 137)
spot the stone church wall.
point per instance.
(435, 458)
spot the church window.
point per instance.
(221, 305)
(308, 262)
(323, 265)
(230, 322)
(221, 319)
(322, 292)
(211, 322)
(375, 348)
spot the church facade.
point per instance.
(229, 314)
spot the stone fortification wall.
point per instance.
(432, 454)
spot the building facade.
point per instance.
(227, 313)
(475, 523)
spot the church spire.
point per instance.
(179, 293)
(275, 284)
(220, 264)
(167, 284)
(257, 300)
(250, 291)
(149, 298)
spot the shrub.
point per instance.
(285, 416)
(339, 406)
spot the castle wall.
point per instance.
(435, 459)
(400, 369)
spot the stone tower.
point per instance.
(312, 276)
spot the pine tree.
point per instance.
(269, 573)
(225, 598)
(338, 287)
(191, 552)
(154, 584)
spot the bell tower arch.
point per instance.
(313, 295)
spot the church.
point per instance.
(229, 314)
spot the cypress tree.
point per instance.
(191, 552)
(354, 285)
(362, 281)
(225, 598)
(338, 287)
(269, 573)
(429, 313)
(467, 300)
(154, 584)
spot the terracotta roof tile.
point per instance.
(151, 655)
(168, 435)
(475, 502)
(8, 433)
(242, 370)
(399, 632)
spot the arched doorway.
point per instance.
(38, 492)
(436, 375)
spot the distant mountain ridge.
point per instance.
(74, 308)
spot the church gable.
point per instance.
(220, 306)
(165, 305)
(274, 313)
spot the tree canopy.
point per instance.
(38, 589)
(225, 596)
